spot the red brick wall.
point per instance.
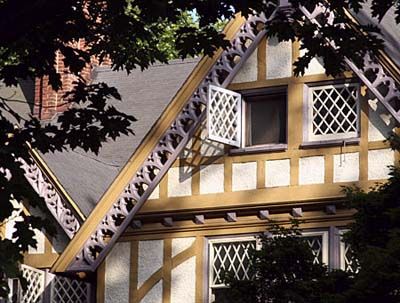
(49, 102)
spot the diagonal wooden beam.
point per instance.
(372, 74)
(164, 154)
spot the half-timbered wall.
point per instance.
(214, 190)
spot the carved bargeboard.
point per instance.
(177, 136)
(167, 150)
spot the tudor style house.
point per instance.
(222, 147)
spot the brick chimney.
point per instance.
(48, 102)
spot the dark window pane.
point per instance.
(266, 119)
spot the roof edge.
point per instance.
(56, 183)
(151, 139)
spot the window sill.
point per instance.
(258, 149)
(328, 143)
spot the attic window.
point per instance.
(332, 112)
(266, 116)
(251, 120)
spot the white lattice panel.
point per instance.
(35, 284)
(224, 116)
(346, 261)
(316, 246)
(333, 112)
(64, 290)
(230, 257)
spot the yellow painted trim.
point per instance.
(46, 169)
(167, 268)
(101, 283)
(143, 150)
(133, 275)
(200, 243)
(246, 224)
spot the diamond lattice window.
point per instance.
(232, 256)
(333, 112)
(224, 116)
(315, 243)
(347, 262)
(35, 279)
(69, 291)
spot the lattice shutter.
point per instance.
(230, 257)
(333, 112)
(347, 263)
(35, 282)
(315, 243)
(64, 290)
(224, 116)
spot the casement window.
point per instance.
(45, 287)
(346, 261)
(253, 119)
(232, 255)
(331, 112)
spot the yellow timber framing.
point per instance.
(151, 139)
(228, 200)
(218, 227)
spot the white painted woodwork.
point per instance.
(224, 116)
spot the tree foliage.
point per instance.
(131, 34)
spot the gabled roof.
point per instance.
(389, 28)
(145, 94)
(136, 181)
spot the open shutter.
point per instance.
(224, 116)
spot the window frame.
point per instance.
(328, 139)
(244, 107)
(209, 255)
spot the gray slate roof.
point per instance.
(145, 95)
(389, 28)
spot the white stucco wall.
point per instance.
(277, 173)
(248, 71)
(380, 121)
(244, 176)
(183, 282)
(378, 161)
(180, 181)
(279, 59)
(150, 259)
(154, 295)
(181, 244)
(209, 148)
(156, 193)
(311, 170)
(117, 274)
(211, 178)
(315, 67)
(346, 167)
